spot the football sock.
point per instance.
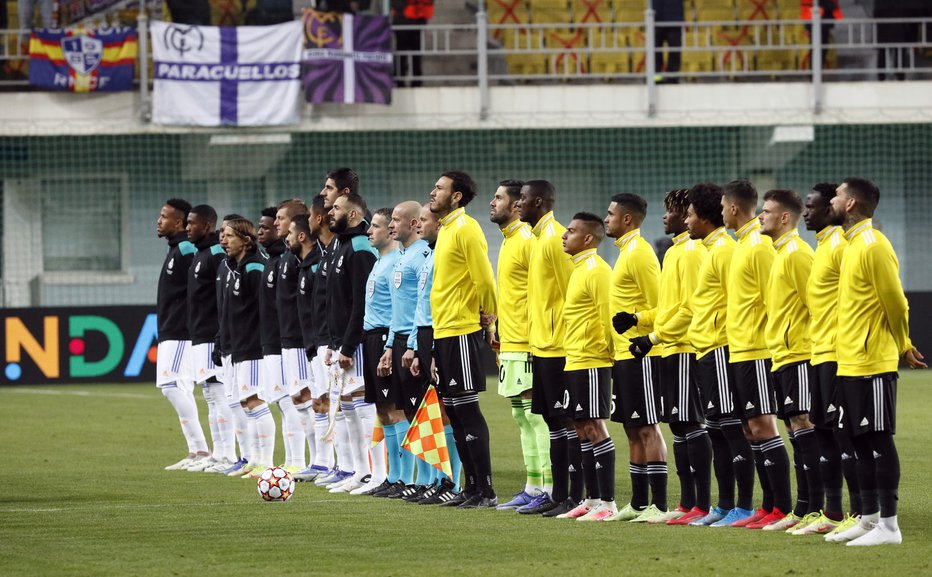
(456, 465)
(406, 475)
(375, 455)
(639, 485)
(830, 466)
(687, 484)
(887, 467)
(559, 463)
(186, 407)
(849, 468)
(358, 444)
(724, 468)
(252, 440)
(215, 441)
(808, 443)
(657, 479)
(528, 436)
(476, 435)
(802, 486)
(867, 478)
(767, 493)
(459, 435)
(699, 447)
(423, 471)
(588, 465)
(323, 447)
(603, 453)
(265, 433)
(778, 471)
(341, 444)
(541, 445)
(240, 424)
(574, 452)
(225, 426)
(742, 461)
(294, 434)
(393, 452)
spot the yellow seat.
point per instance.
(628, 14)
(506, 12)
(612, 56)
(591, 11)
(528, 63)
(572, 56)
(756, 10)
(715, 14)
(731, 58)
(695, 58)
(702, 4)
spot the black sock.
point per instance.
(724, 469)
(887, 465)
(604, 454)
(808, 443)
(849, 468)
(462, 447)
(867, 475)
(777, 463)
(742, 461)
(476, 436)
(559, 462)
(639, 485)
(830, 465)
(802, 484)
(685, 475)
(766, 492)
(700, 461)
(657, 479)
(588, 465)
(577, 480)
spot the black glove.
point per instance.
(624, 321)
(216, 356)
(640, 346)
(310, 353)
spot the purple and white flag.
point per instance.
(347, 58)
(224, 76)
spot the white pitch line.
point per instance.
(155, 506)
(56, 392)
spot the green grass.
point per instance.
(84, 493)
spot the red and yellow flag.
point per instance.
(378, 434)
(426, 438)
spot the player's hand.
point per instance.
(433, 371)
(914, 359)
(407, 359)
(640, 346)
(216, 356)
(328, 358)
(486, 320)
(346, 363)
(493, 341)
(415, 367)
(310, 353)
(623, 321)
(384, 369)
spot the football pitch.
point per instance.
(84, 493)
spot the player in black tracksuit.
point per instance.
(172, 303)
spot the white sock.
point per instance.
(308, 431)
(227, 436)
(367, 416)
(240, 426)
(592, 503)
(211, 401)
(293, 433)
(359, 451)
(341, 443)
(264, 425)
(868, 520)
(610, 505)
(252, 440)
(890, 523)
(186, 407)
(323, 449)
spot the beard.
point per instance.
(338, 226)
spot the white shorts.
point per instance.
(320, 374)
(246, 380)
(173, 364)
(225, 374)
(202, 366)
(350, 380)
(273, 378)
(296, 369)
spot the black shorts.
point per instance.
(550, 396)
(867, 404)
(590, 393)
(459, 365)
(793, 383)
(408, 389)
(755, 394)
(636, 399)
(378, 389)
(716, 377)
(425, 350)
(824, 410)
(681, 400)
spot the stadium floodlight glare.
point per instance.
(787, 134)
(248, 139)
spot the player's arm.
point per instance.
(674, 330)
(476, 252)
(761, 265)
(599, 287)
(360, 265)
(800, 269)
(561, 264)
(882, 266)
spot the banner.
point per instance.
(347, 58)
(78, 345)
(219, 76)
(70, 11)
(82, 60)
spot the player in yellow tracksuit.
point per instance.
(463, 294)
(873, 335)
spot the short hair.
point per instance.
(512, 188)
(181, 205)
(827, 190)
(596, 223)
(357, 201)
(206, 212)
(345, 178)
(632, 203)
(865, 192)
(244, 229)
(269, 212)
(302, 224)
(385, 212)
(319, 205)
(232, 216)
(742, 193)
(788, 199)
(706, 199)
(542, 189)
(463, 183)
(293, 207)
(677, 200)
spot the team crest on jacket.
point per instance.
(370, 289)
(285, 270)
(340, 262)
(397, 279)
(302, 284)
(197, 269)
(171, 263)
(271, 278)
(423, 281)
(236, 286)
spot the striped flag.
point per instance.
(426, 438)
(82, 60)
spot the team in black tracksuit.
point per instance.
(294, 361)
(241, 316)
(202, 301)
(172, 303)
(352, 261)
(269, 332)
(307, 269)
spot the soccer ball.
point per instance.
(275, 484)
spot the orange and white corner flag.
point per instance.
(426, 438)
